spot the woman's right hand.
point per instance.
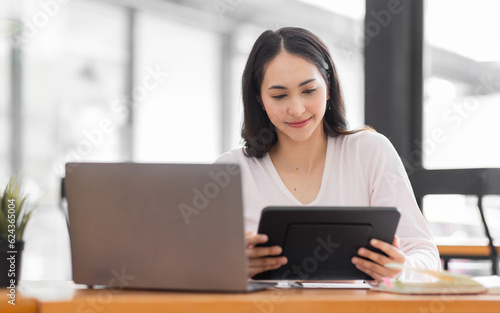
(262, 259)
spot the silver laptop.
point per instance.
(157, 226)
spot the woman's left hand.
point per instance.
(374, 266)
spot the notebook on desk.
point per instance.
(158, 226)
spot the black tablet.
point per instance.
(319, 242)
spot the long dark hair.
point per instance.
(258, 132)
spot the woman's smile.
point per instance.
(299, 124)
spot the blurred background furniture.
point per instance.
(478, 182)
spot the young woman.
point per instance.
(298, 151)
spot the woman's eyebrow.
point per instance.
(306, 82)
(300, 85)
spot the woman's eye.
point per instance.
(278, 97)
(309, 90)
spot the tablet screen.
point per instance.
(316, 251)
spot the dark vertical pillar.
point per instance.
(393, 74)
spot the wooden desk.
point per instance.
(23, 304)
(67, 298)
(472, 248)
(465, 250)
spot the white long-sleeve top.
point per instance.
(362, 169)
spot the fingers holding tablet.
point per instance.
(373, 262)
(262, 259)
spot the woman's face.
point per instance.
(294, 96)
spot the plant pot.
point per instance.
(10, 263)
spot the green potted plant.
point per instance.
(14, 215)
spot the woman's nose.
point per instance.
(295, 107)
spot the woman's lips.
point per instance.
(299, 124)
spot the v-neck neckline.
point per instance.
(326, 173)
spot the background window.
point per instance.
(178, 119)
(462, 86)
(73, 71)
(460, 115)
